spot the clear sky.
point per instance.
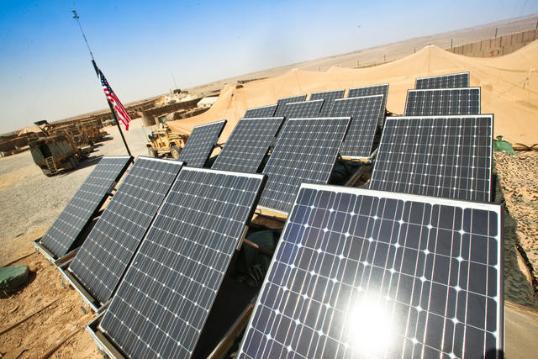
(45, 73)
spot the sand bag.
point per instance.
(12, 278)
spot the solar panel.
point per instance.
(305, 151)
(201, 143)
(441, 156)
(163, 301)
(103, 258)
(281, 104)
(328, 98)
(303, 109)
(63, 234)
(442, 102)
(367, 274)
(365, 112)
(446, 81)
(261, 112)
(369, 91)
(248, 144)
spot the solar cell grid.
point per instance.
(445, 81)
(248, 144)
(441, 156)
(162, 303)
(369, 91)
(201, 143)
(442, 102)
(64, 232)
(281, 104)
(361, 273)
(305, 151)
(103, 258)
(303, 109)
(261, 112)
(328, 99)
(365, 112)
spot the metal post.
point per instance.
(119, 128)
(496, 31)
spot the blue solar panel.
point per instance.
(65, 231)
(442, 102)
(248, 144)
(458, 80)
(201, 143)
(369, 274)
(107, 251)
(164, 300)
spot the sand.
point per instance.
(509, 88)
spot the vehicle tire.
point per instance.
(174, 152)
(152, 152)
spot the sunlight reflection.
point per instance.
(371, 327)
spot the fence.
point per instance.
(501, 45)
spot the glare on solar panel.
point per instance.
(305, 151)
(163, 302)
(368, 274)
(302, 109)
(442, 156)
(328, 98)
(65, 231)
(261, 112)
(201, 143)
(365, 112)
(457, 80)
(442, 102)
(281, 104)
(103, 258)
(248, 144)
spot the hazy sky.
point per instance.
(45, 73)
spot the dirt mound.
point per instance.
(509, 88)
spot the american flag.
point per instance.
(121, 112)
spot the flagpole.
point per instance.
(77, 19)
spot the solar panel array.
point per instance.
(365, 113)
(201, 143)
(442, 102)
(281, 104)
(369, 91)
(443, 156)
(66, 229)
(162, 303)
(305, 151)
(261, 112)
(248, 144)
(361, 273)
(303, 109)
(328, 99)
(446, 81)
(103, 258)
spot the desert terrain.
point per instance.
(47, 318)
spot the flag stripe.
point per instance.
(121, 111)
